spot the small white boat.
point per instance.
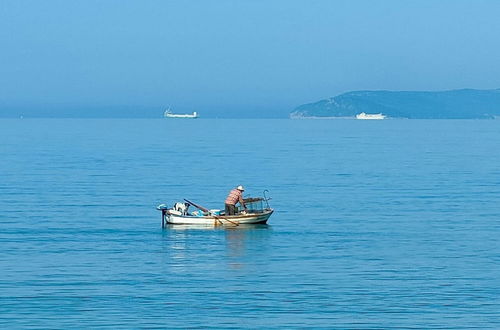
(178, 214)
(169, 114)
(172, 217)
(364, 115)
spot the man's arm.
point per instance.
(242, 202)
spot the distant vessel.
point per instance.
(364, 115)
(169, 114)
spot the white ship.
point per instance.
(169, 114)
(364, 115)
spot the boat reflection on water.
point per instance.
(242, 243)
(188, 242)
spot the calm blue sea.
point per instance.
(378, 224)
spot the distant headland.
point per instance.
(453, 104)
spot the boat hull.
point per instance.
(182, 116)
(254, 218)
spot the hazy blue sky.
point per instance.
(238, 56)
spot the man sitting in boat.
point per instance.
(235, 196)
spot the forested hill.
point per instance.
(453, 104)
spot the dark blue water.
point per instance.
(378, 224)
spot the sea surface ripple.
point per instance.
(378, 224)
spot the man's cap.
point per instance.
(240, 188)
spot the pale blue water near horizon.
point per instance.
(378, 224)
